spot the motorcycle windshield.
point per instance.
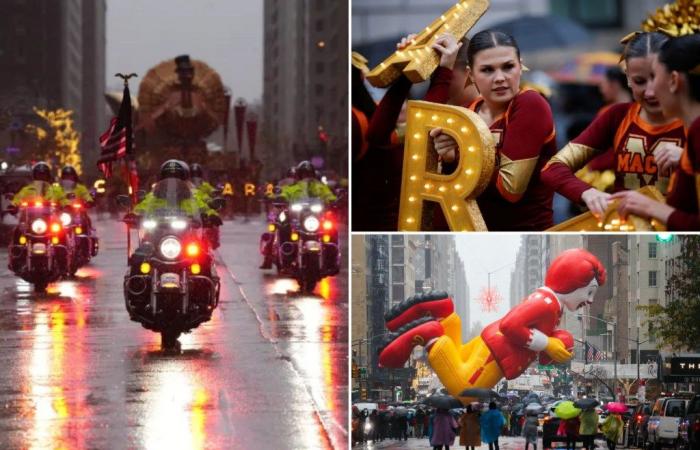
(68, 185)
(173, 199)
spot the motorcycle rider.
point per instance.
(203, 193)
(41, 187)
(306, 186)
(174, 168)
(70, 182)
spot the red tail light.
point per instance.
(696, 427)
(639, 418)
(192, 249)
(55, 227)
(327, 225)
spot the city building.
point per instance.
(305, 83)
(56, 60)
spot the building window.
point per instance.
(652, 249)
(650, 331)
(397, 274)
(397, 293)
(319, 89)
(652, 278)
(320, 67)
(397, 254)
(397, 241)
(319, 25)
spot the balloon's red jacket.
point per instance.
(516, 339)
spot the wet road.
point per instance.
(268, 371)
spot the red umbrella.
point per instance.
(616, 407)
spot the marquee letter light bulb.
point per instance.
(418, 61)
(456, 192)
(611, 220)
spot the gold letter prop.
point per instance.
(611, 219)
(418, 61)
(456, 192)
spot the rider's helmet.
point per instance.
(305, 170)
(174, 168)
(68, 172)
(41, 172)
(292, 172)
(196, 171)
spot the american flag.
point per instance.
(593, 354)
(116, 142)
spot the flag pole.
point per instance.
(127, 173)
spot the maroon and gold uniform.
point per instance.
(516, 198)
(684, 194)
(633, 141)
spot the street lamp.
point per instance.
(614, 334)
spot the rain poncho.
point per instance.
(589, 422)
(202, 194)
(38, 191)
(307, 189)
(612, 427)
(492, 422)
(530, 428)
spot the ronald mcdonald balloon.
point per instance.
(507, 346)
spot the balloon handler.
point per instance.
(507, 346)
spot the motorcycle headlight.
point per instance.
(170, 247)
(178, 224)
(149, 224)
(311, 224)
(282, 217)
(66, 219)
(296, 207)
(316, 208)
(39, 226)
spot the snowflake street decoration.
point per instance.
(489, 298)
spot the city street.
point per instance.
(268, 371)
(504, 443)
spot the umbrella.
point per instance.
(401, 411)
(586, 403)
(616, 407)
(566, 410)
(535, 408)
(443, 402)
(531, 398)
(587, 68)
(480, 393)
(535, 33)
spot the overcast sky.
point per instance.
(226, 34)
(482, 254)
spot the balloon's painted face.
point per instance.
(580, 297)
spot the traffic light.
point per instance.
(664, 237)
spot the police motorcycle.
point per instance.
(39, 252)
(82, 240)
(171, 286)
(278, 233)
(311, 251)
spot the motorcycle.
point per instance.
(38, 252)
(278, 231)
(311, 251)
(83, 243)
(171, 286)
